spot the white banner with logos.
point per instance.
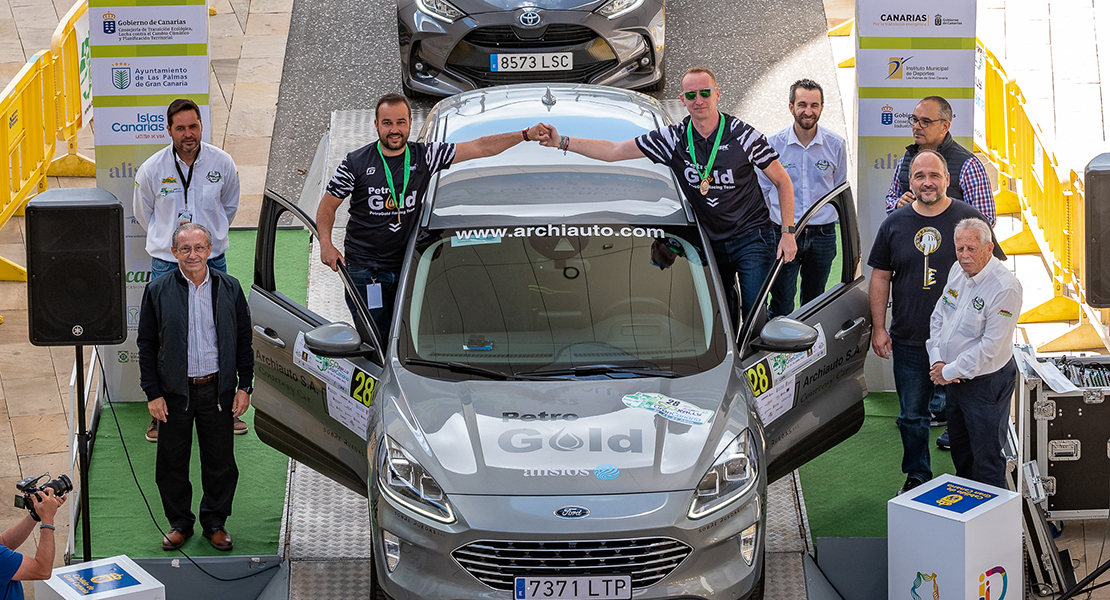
(905, 50)
(84, 66)
(142, 58)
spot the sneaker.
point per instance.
(938, 421)
(942, 441)
(240, 426)
(152, 430)
(911, 482)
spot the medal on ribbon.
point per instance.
(704, 173)
(396, 199)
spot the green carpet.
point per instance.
(846, 488)
(120, 522)
(119, 519)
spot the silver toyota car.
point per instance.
(451, 46)
(562, 408)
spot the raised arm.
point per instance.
(496, 144)
(598, 149)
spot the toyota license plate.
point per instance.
(551, 61)
(617, 587)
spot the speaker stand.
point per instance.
(83, 456)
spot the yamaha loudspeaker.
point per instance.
(1096, 196)
(75, 276)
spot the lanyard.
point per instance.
(185, 180)
(389, 180)
(704, 188)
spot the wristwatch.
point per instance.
(788, 229)
(249, 389)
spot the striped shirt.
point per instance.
(201, 345)
(734, 204)
(379, 230)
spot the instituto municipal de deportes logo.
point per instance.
(121, 75)
(109, 23)
(895, 66)
(985, 584)
(888, 115)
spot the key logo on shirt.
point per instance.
(928, 241)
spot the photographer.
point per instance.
(14, 567)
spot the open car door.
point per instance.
(314, 408)
(810, 401)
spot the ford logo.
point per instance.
(572, 512)
(529, 18)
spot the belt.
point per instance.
(202, 380)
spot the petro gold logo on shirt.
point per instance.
(927, 241)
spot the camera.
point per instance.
(27, 487)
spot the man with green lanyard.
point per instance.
(374, 176)
(714, 155)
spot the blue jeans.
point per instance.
(749, 259)
(915, 391)
(159, 267)
(937, 404)
(816, 251)
(978, 414)
(364, 276)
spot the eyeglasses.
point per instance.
(193, 249)
(704, 93)
(924, 123)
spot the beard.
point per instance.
(393, 143)
(806, 123)
(935, 193)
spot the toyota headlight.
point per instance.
(440, 9)
(734, 473)
(616, 8)
(406, 482)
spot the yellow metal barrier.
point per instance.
(68, 56)
(27, 136)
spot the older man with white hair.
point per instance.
(971, 350)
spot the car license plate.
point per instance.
(617, 587)
(551, 61)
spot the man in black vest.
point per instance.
(930, 122)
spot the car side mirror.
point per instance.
(334, 340)
(783, 334)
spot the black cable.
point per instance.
(135, 477)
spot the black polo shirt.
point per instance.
(734, 204)
(375, 237)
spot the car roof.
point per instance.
(532, 184)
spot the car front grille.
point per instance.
(556, 34)
(646, 560)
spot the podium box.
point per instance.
(956, 538)
(118, 578)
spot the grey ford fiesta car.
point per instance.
(562, 408)
(451, 46)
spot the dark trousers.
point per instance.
(915, 391)
(364, 276)
(218, 473)
(747, 259)
(816, 251)
(978, 411)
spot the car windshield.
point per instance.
(525, 300)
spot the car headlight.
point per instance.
(440, 9)
(733, 474)
(406, 482)
(616, 8)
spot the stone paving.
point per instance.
(1050, 46)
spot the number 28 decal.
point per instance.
(362, 387)
(759, 377)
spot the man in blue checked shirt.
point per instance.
(817, 161)
(931, 119)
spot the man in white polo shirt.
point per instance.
(817, 161)
(188, 181)
(971, 350)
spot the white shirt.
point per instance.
(203, 354)
(972, 327)
(814, 170)
(160, 197)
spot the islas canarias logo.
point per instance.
(928, 241)
(985, 584)
(921, 580)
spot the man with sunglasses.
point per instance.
(931, 119)
(714, 156)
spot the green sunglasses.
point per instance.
(705, 93)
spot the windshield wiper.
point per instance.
(458, 367)
(587, 370)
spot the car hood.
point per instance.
(566, 437)
(475, 7)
